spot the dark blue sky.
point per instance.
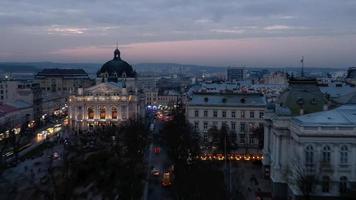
(209, 32)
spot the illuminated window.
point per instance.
(102, 113)
(113, 113)
(90, 113)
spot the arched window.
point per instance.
(102, 113)
(309, 155)
(326, 154)
(90, 113)
(343, 184)
(325, 184)
(343, 154)
(113, 113)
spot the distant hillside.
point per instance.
(92, 68)
(37, 66)
(18, 67)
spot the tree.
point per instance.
(258, 132)
(194, 179)
(297, 174)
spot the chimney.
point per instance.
(80, 91)
(301, 111)
(326, 107)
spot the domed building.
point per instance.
(113, 100)
(117, 70)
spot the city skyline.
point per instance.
(250, 33)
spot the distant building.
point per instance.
(320, 146)
(117, 70)
(62, 81)
(304, 137)
(110, 101)
(13, 118)
(275, 78)
(236, 74)
(241, 113)
(21, 94)
(351, 76)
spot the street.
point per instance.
(155, 190)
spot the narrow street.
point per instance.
(160, 161)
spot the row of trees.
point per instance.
(115, 169)
(194, 179)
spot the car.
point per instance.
(156, 150)
(155, 172)
(55, 155)
(166, 179)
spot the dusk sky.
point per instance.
(205, 32)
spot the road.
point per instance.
(155, 191)
(35, 142)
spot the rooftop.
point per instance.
(344, 115)
(4, 109)
(227, 100)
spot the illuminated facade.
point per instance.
(112, 100)
(103, 104)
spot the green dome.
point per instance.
(116, 67)
(302, 93)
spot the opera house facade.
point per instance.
(112, 100)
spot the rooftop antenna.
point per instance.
(117, 44)
(302, 61)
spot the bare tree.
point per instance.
(303, 178)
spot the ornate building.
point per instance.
(112, 100)
(304, 140)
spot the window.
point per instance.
(223, 113)
(205, 125)
(196, 125)
(252, 140)
(326, 154)
(252, 114)
(215, 123)
(90, 113)
(233, 114)
(242, 114)
(261, 115)
(233, 126)
(215, 114)
(343, 184)
(325, 187)
(102, 113)
(113, 113)
(196, 113)
(123, 112)
(309, 155)
(343, 154)
(242, 138)
(242, 127)
(205, 113)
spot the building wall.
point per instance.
(242, 124)
(11, 90)
(285, 149)
(62, 85)
(128, 107)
